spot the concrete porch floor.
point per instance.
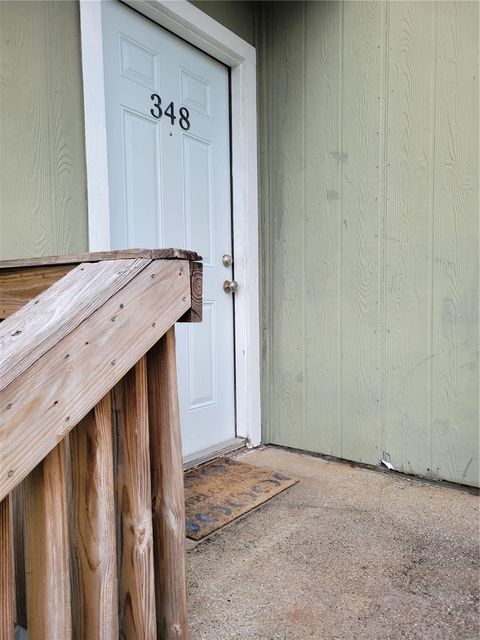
(347, 553)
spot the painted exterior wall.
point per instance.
(42, 158)
(236, 15)
(369, 159)
(368, 135)
(43, 206)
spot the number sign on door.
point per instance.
(169, 112)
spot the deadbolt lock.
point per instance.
(227, 260)
(230, 287)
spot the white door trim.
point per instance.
(195, 27)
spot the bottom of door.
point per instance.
(216, 451)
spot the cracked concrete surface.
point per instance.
(347, 553)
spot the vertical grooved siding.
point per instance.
(43, 207)
(368, 129)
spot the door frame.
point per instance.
(194, 26)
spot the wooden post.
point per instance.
(167, 490)
(18, 508)
(7, 582)
(94, 597)
(48, 579)
(137, 585)
(195, 313)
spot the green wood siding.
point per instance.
(42, 158)
(43, 207)
(368, 125)
(236, 15)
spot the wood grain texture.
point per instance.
(408, 292)
(7, 579)
(167, 490)
(47, 550)
(359, 156)
(19, 286)
(18, 508)
(93, 550)
(323, 226)
(55, 313)
(388, 94)
(98, 256)
(195, 313)
(263, 38)
(73, 376)
(137, 585)
(287, 144)
(42, 177)
(455, 335)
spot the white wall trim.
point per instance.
(194, 26)
(95, 127)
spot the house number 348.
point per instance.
(169, 112)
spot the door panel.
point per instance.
(138, 63)
(201, 389)
(140, 178)
(197, 180)
(170, 187)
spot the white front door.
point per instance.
(168, 141)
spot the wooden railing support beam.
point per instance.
(81, 364)
(48, 579)
(7, 588)
(94, 597)
(137, 584)
(167, 490)
(100, 511)
(195, 313)
(18, 509)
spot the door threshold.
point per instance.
(194, 459)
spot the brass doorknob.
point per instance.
(230, 287)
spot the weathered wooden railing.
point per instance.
(91, 484)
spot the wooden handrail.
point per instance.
(90, 428)
(22, 280)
